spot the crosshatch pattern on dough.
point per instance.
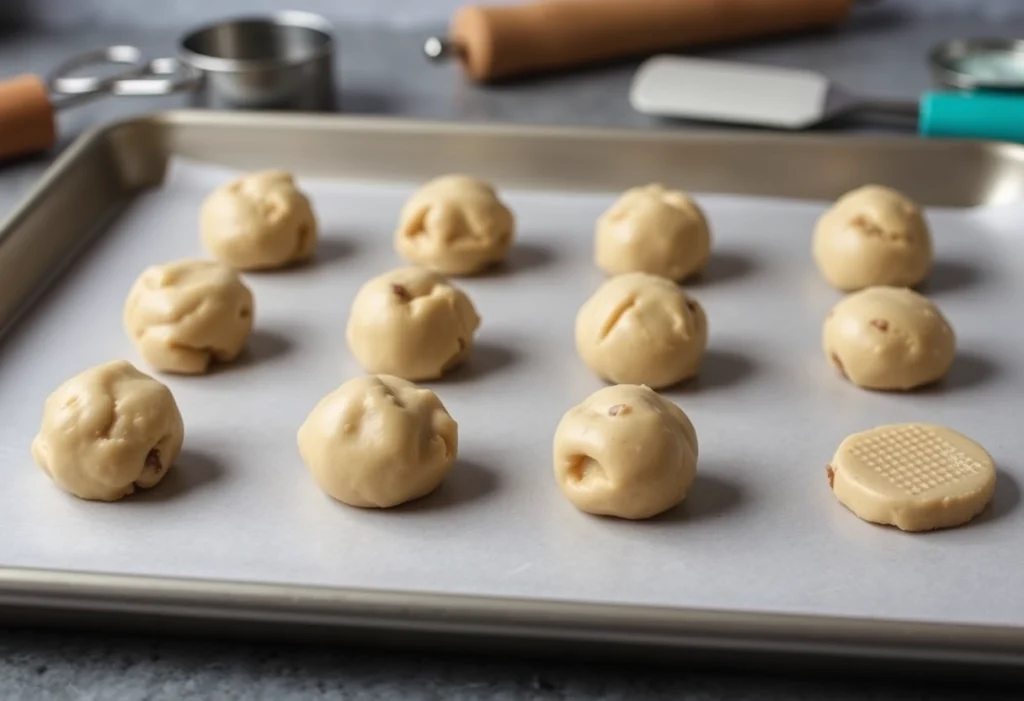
(914, 459)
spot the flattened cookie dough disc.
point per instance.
(411, 323)
(888, 338)
(185, 314)
(917, 477)
(642, 329)
(625, 451)
(378, 441)
(258, 221)
(873, 235)
(107, 431)
(653, 229)
(455, 225)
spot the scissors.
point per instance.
(134, 75)
(280, 61)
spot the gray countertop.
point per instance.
(880, 53)
(35, 666)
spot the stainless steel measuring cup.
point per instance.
(282, 61)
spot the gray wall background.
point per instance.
(394, 13)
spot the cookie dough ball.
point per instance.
(655, 230)
(185, 314)
(641, 329)
(889, 338)
(379, 441)
(625, 451)
(107, 431)
(258, 221)
(873, 236)
(411, 323)
(917, 477)
(455, 225)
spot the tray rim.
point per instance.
(98, 135)
(279, 606)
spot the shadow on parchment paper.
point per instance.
(262, 346)
(467, 482)
(330, 250)
(1004, 501)
(192, 470)
(951, 276)
(723, 266)
(487, 358)
(970, 369)
(709, 497)
(522, 257)
(719, 369)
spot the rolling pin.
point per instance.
(494, 43)
(27, 123)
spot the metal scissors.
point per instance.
(136, 76)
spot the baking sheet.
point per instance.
(760, 531)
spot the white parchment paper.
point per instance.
(760, 531)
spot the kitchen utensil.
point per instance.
(792, 98)
(280, 61)
(979, 64)
(499, 42)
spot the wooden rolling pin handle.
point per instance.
(510, 41)
(27, 123)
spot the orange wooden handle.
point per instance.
(508, 41)
(27, 123)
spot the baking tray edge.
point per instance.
(136, 153)
(301, 611)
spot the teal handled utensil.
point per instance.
(984, 95)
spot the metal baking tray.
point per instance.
(759, 558)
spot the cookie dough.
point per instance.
(107, 431)
(641, 329)
(888, 338)
(258, 221)
(873, 236)
(917, 477)
(411, 323)
(379, 441)
(185, 314)
(455, 225)
(625, 451)
(653, 229)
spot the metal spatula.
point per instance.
(792, 98)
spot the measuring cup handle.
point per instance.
(27, 123)
(973, 115)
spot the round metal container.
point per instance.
(282, 61)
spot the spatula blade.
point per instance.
(729, 92)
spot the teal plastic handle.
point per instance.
(974, 115)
